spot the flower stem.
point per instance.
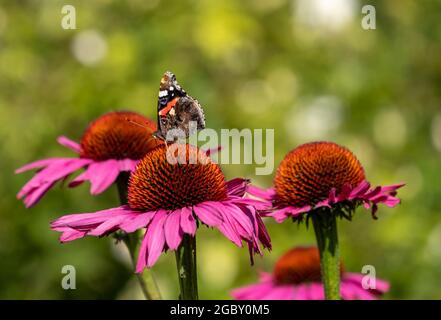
(187, 270)
(146, 279)
(325, 227)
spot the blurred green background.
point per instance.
(305, 68)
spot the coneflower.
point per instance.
(109, 150)
(110, 145)
(322, 181)
(297, 276)
(171, 200)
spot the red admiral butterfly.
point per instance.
(176, 109)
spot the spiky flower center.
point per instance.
(118, 135)
(299, 265)
(158, 183)
(309, 172)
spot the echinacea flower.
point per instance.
(322, 181)
(322, 175)
(110, 145)
(170, 200)
(296, 276)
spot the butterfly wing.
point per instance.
(176, 109)
(189, 110)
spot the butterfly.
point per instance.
(176, 109)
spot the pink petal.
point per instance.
(392, 188)
(279, 292)
(316, 291)
(70, 144)
(302, 292)
(237, 187)
(91, 220)
(345, 193)
(55, 171)
(142, 255)
(155, 237)
(127, 165)
(208, 214)
(371, 194)
(35, 195)
(323, 203)
(40, 164)
(282, 214)
(388, 200)
(263, 234)
(332, 198)
(266, 194)
(361, 189)
(227, 228)
(258, 204)
(188, 223)
(240, 220)
(43, 180)
(69, 234)
(353, 291)
(381, 286)
(107, 226)
(258, 291)
(173, 232)
(138, 222)
(102, 174)
(84, 176)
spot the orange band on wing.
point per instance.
(168, 107)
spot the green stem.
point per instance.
(146, 279)
(325, 227)
(187, 270)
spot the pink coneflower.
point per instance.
(296, 276)
(170, 200)
(110, 145)
(322, 181)
(322, 175)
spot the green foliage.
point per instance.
(250, 64)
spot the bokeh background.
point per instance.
(305, 68)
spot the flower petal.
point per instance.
(344, 193)
(392, 187)
(240, 220)
(208, 214)
(43, 180)
(237, 187)
(173, 231)
(127, 165)
(39, 164)
(70, 144)
(188, 223)
(89, 221)
(228, 229)
(361, 189)
(142, 255)
(69, 234)
(35, 195)
(266, 194)
(155, 237)
(102, 174)
(138, 222)
(84, 176)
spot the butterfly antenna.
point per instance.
(140, 125)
